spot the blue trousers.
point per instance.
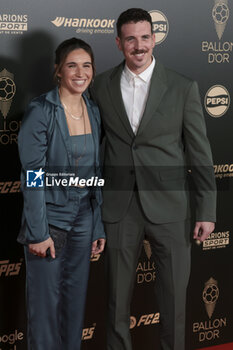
(56, 289)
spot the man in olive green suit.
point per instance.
(155, 139)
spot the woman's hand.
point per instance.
(98, 246)
(40, 248)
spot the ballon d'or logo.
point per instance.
(220, 14)
(147, 248)
(7, 91)
(210, 296)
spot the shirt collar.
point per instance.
(144, 76)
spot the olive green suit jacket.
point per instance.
(169, 149)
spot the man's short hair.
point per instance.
(132, 15)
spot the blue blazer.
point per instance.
(43, 142)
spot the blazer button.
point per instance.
(135, 147)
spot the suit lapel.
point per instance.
(59, 114)
(94, 127)
(157, 90)
(61, 121)
(116, 98)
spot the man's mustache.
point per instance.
(135, 52)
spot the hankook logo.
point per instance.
(7, 91)
(217, 101)
(160, 26)
(86, 25)
(58, 21)
(220, 14)
(223, 170)
(210, 296)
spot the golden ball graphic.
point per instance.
(210, 294)
(7, 89)
(220, 13)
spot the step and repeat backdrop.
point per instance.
(194, 38)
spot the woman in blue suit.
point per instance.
(61, 223)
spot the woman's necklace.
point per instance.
(70, 114)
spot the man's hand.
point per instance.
(98, 246)
(40, 248)
(202, 230)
